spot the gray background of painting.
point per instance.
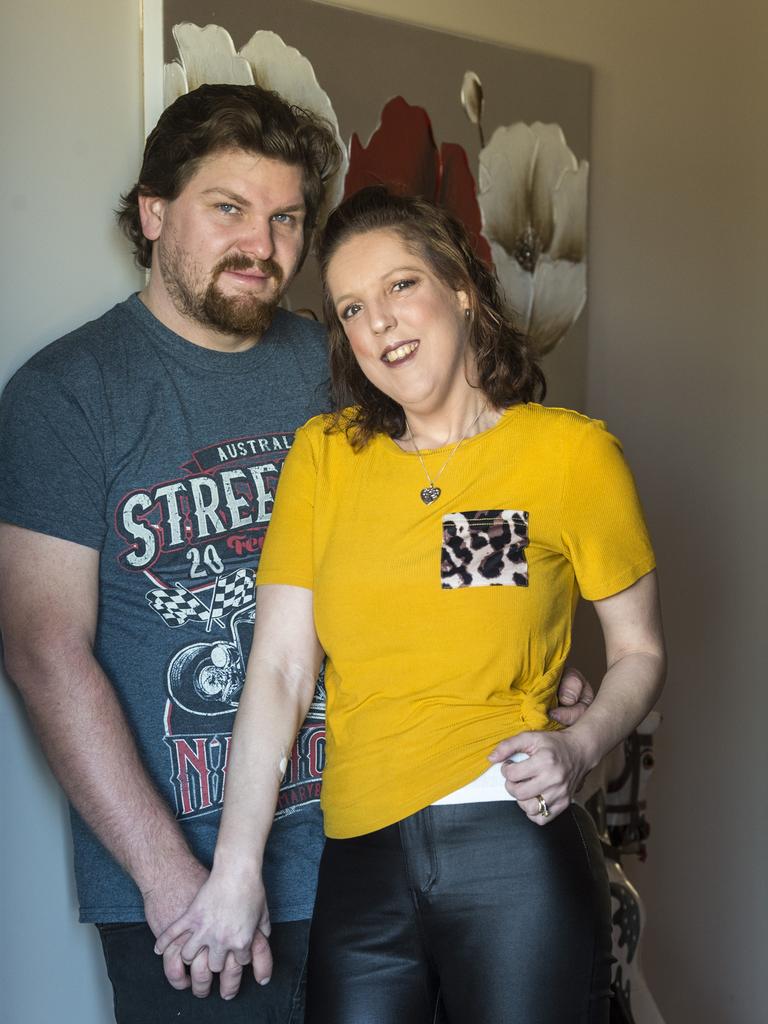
(426, 68)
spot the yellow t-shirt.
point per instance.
(447, 626)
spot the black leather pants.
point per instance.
(502, 921)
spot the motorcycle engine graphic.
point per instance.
(206, 679)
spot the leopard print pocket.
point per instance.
(484, 549)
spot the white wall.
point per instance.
(677, 364)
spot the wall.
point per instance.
(677, 361)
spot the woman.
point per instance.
(433, 539)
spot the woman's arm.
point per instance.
(229, 915)
(635, 655)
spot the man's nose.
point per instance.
(257, 240)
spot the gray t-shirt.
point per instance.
(165, 456)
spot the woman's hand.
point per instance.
(547, 770)
(555, 763)
(229, 922)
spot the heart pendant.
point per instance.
(430, 494)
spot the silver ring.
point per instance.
(543, 809)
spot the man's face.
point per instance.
(227, 247)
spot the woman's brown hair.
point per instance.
(507, 370)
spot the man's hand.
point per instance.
(574, 695)
(225, 928)
(169, 901)
(163, 904)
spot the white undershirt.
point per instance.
(485, 788)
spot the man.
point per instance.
(138, 465)
(138, 462)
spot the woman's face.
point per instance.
(408, 330)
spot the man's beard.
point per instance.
(244, 315)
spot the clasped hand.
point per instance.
(227, 925)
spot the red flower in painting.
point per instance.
(402, 155)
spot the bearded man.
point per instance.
(138, 463)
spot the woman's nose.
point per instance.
(381, 319)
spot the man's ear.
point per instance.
(152, 214)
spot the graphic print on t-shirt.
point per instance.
(196, 541)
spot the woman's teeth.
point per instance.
(396, 354)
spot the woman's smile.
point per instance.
(399, 353)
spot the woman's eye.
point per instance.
(227, 207)
(400, 286)
(349, 311)
(283, 218)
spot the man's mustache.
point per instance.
(238, 261)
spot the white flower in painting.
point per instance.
(208, 55)
(533, 198)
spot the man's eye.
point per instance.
(400, 286)
(349, 311)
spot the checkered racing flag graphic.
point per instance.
(233, 591)
(178, 606)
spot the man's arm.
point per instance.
(48, 612)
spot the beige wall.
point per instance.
(678, 314)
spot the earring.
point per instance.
(467, 314)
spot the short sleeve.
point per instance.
(603, 528)
(287, 554)
(52, 466)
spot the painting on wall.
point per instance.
(498, 135)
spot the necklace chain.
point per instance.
(433, 492)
